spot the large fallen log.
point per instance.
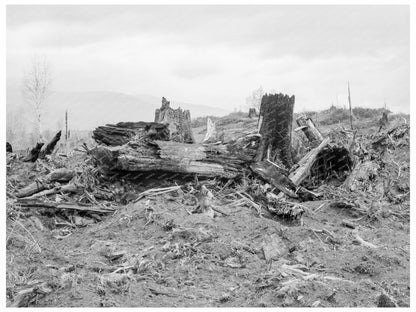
(124, 132)
(59, 175)
(209, 160)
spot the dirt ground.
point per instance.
(155, 253)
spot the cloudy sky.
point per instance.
(216, 55)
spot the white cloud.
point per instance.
(218, 55)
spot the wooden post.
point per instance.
(349, 102)
(66, 125)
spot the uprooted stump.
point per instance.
(333, 164)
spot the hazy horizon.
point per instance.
(217, 55)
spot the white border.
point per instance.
(158, 2)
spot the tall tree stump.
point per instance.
(179, 122)
(9, 148)
(252, 112)
(275, 127)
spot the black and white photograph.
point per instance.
(207, 155)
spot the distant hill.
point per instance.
(87, 110)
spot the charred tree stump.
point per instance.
(124, 132)
(275, 127)
(9, 148)
(383, 122)
(252, 113)
(179, 122)
(50, 147)
(309, 129)
(34, 153)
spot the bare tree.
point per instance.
(36, 88)
(254, 100)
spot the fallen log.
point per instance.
(34, 153)
(39, 204)
(124, 132)
(59, 175)
(309, 129)
(68, 188)
(209, 160)
(305, 164)
(50, 147)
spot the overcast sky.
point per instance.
(216, 55)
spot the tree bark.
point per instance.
(276, 115)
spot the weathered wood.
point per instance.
(34, 153)
(212, 136)
(309, 129)
(210, 160)
(124, 132)
(39, 204)
(306, 163)
(50, 147)
(179, 122)
(59, 175)
(275, 177)
(68, 188)
(275, 127)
